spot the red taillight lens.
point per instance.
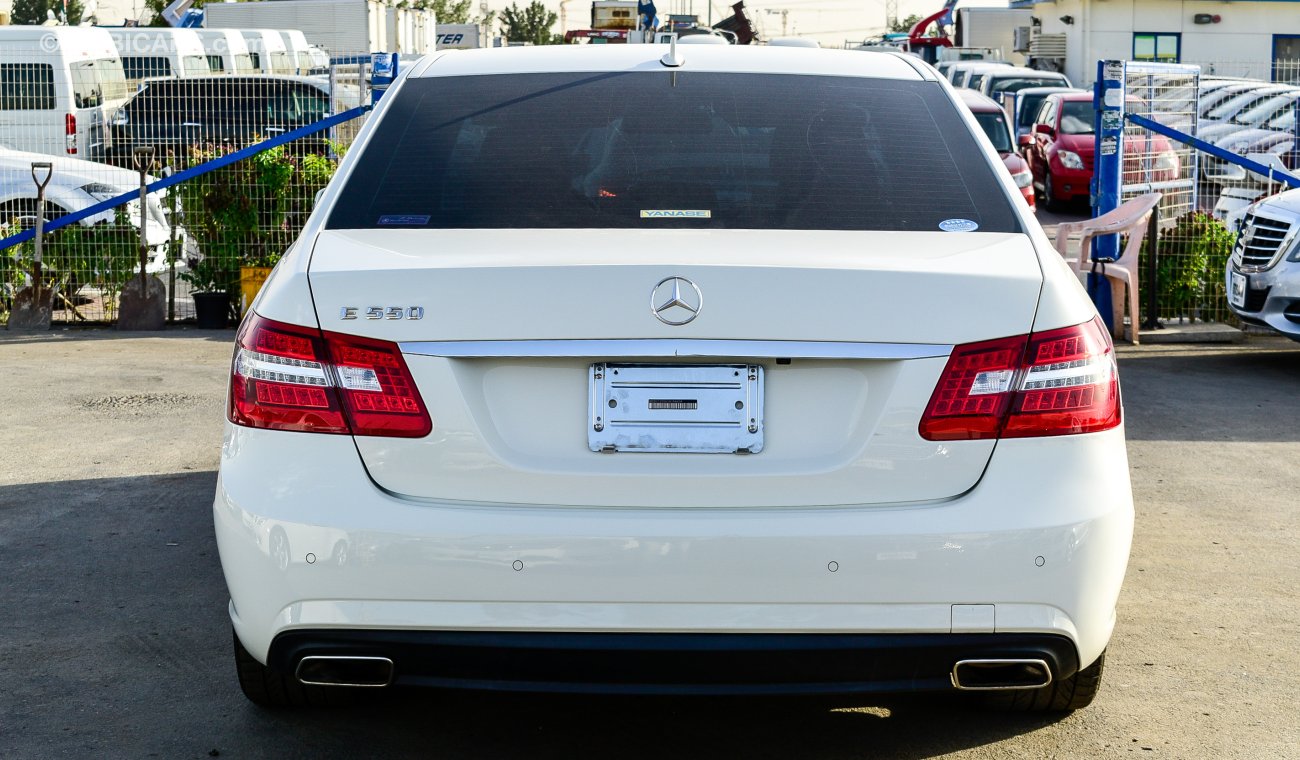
(379, 392)
(974, 391)
(70, 133)
(287, 377)
(1070, 386)
(1057, 382)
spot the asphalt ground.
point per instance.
(114, 640)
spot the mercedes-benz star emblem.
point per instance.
(676, 301)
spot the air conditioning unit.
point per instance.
(1021, 39)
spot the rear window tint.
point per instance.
(671, 150)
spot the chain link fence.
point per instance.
(218, 232)
(1246, 109)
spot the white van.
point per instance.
(155, 52)
(270, 56)
(299, 51)
(227, 51)
(58, 87)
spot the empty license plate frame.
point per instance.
(675, 408)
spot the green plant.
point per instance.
(248, 213)
(210, 275)
(1190, 263)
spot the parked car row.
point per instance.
(173, 115)
(74, 185)
(1052, 166)
(60, 87)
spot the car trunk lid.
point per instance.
(514, 324)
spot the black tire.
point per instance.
(270, 688)
(1073, 693)
(1049, 195)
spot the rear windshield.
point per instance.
(671, 150)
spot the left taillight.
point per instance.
(288, 377)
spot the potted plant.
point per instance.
(210, 285)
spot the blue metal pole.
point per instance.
(1108, 162)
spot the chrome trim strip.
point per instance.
(654, 348)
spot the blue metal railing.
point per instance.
(1214, 150)
(190, 173)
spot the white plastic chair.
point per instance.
(1130, 219)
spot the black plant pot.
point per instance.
(212, 309)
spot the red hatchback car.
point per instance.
(1060, 145)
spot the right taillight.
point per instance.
(70, 133)
(1057, 382)
(287, 377)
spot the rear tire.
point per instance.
(1049, 194)
(1067, 694)
(270, 688)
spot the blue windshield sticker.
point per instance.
(403, 220)
(958, 225)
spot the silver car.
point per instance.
(1263, 273)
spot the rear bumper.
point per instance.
(674, 663)
(309, 544)
(1068, 184)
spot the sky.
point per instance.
(830, 22)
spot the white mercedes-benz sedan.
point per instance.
(712, 370)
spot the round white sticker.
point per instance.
(958, 225)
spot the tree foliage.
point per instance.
(531, 24)
(33, 11)
(905, 24)
(450, 11)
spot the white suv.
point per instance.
(640, 370)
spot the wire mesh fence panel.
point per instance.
(1153, 162)
(1253, 117)
(98, 132)
(1187, 284)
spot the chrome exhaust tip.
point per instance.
(999, 675)
(341, 670)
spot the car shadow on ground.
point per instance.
(541, 726)
(1243, 392)
(116, 641)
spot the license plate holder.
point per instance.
(676, 408)
(1237, 289)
